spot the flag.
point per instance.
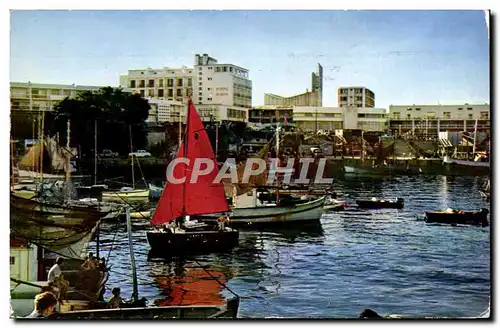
(286, 120)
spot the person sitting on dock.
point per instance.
(90, 263)
(56, 279)
(45, 304)
(116, 300)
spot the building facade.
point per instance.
(356, 97)
(428, 120)
(271, 114)
(224, 90)
(42, 97)
(309, 98)
(163, 111)
(312, 118)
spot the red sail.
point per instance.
(202, 196)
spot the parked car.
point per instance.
(140, 153)
(108, 153)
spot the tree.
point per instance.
(115, 112)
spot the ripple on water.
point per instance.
(388, 260)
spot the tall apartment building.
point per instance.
(41, 96)
(221, 92)
(309, 98)
(430, 119)
(356, 97)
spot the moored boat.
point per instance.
(380, 203)
(451, 216)
(127, 194)
(180, 201)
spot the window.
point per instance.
(217, 69)
(224, 69)
(55, 92)
(485, 115)
(231, 69)
(408, 116)
(179, 92)
(170, 82)
(200, 68)
(209, 99)
(12, 260)
(408, 108)
(179, 82)
(160, 83)
(141, 84)
(469, 108)
(209, 89)
(200, 99)
(210, 79)
(447, 115)
(150, 93)
(66, 93)
(142, 93)
(190, 82)
(471, 116)
(418, 108)
(200, 88)
(170, 93)
(132, 83)
(151, 83)
(160, 93)
(200, 73)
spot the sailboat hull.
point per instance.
(171, 244)
(304, 212)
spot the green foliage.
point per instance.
(115, 112)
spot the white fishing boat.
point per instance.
(449, 160)
(126, 193)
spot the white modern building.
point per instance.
(220, 92)
(42, 96)
(356, 97)
(430, 119)
(311, 118)
(165, 111)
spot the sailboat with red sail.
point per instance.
(180, 201)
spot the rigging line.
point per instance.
(132, 207)
(112, 243)
(215, 278)
(142, 174)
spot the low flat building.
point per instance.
(28, 96)
(311, 118)
(429, 120)
(271, 114)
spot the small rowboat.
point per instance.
(451, 216)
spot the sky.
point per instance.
(404, 57)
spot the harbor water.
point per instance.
(388, 260)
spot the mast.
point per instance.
(135, 294)
(131, 156)
(216, 139)
(278, 161)
(68, 162)
(41, 144)
(362, 145)
(95, 152)
(184, 154)
(474, 145)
